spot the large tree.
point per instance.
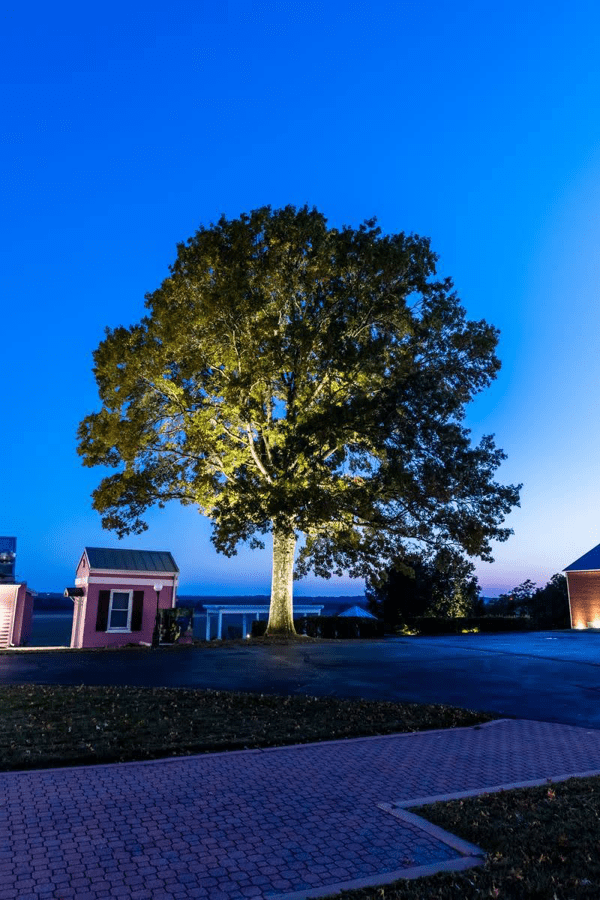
(305, 381)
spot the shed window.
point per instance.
(119, 616)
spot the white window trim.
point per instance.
(129, 611)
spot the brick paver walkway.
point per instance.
(291, 821)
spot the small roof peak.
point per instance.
(357, 612)
(589, 562)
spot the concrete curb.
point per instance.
(252, 750)
(446, 837)
(494, 789)
(453, 865)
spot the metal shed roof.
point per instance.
(586, 563)
(357, 612)
(131, 560)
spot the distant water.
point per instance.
(53, 628)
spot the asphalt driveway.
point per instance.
(546, 676)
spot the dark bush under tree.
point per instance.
(330, 627)
(440, 625)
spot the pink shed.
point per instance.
(115, 595)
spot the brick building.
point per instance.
(583, 582)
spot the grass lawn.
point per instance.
(43, 726)
(541, 842)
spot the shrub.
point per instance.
(329, 627)
(505, 623)
(436, 625)
(234, 632)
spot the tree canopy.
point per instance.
(306, 381)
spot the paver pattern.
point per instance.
(259, 823)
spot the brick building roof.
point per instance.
(589, 562)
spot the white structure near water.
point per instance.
(245, 610)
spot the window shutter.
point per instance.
(137, 611)
(103, 604)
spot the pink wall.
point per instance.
(93, 638)
(21, 634)
(84, 633)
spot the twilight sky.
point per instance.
(127, 125)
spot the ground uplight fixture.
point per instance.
(158, 586)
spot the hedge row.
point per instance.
(351, 627)
(438, 625)
(329, 627)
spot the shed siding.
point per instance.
(23, 616)
(584, 594)
(88, 636)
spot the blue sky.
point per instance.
(126, 126)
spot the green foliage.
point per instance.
(307, 380)
(443, 588)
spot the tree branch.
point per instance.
(255, 455)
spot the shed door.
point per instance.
(6, 616)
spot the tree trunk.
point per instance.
(281, 615)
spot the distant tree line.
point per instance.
(447, 588)
(548, 607)
(444, 587)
